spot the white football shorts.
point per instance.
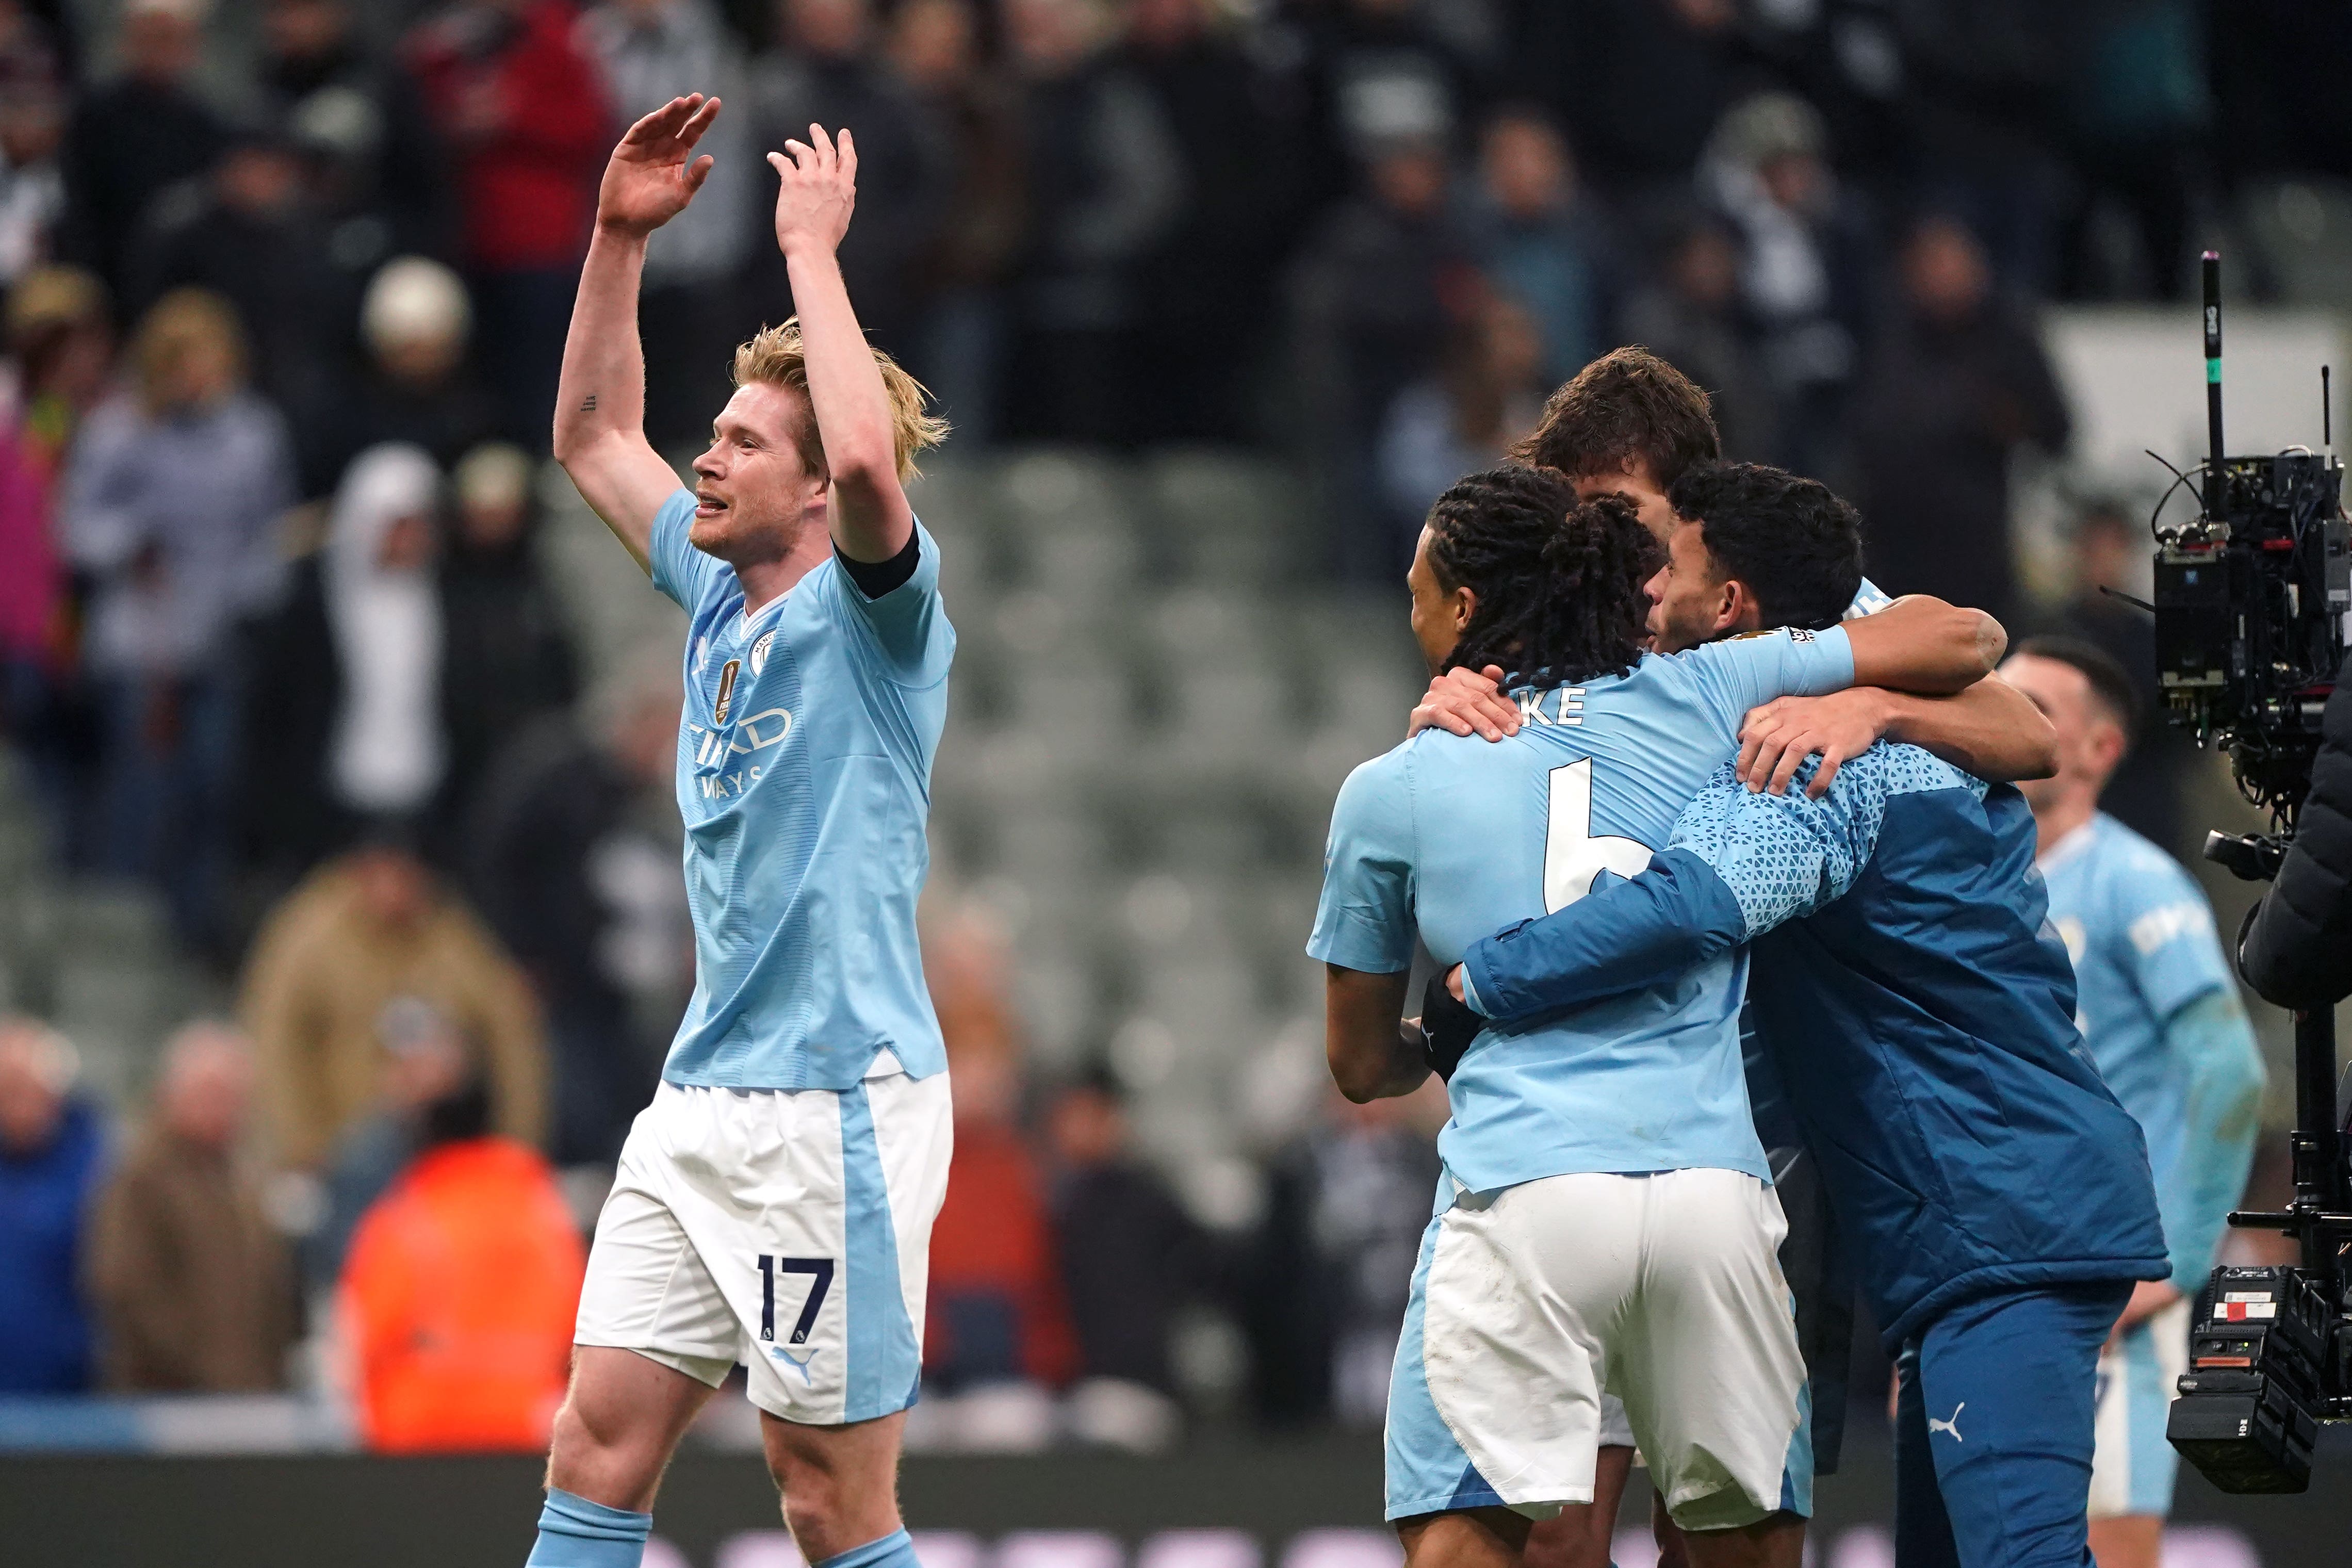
(788, 1232)
(1665, 1290)
(2132, 1466)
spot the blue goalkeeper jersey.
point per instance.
(1449, 838)
(2141, 937)
(804, 776)
(1918, 1005)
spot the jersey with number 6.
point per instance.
(1454, 839)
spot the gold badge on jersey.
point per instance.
(726, 698)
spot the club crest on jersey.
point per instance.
(726, 698)
(760, 651)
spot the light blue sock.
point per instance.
(895, 1550)
(576, 1534)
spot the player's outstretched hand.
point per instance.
(1465, 702)
(818, 191)
(653, 173)
(1776, 738)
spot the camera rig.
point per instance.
(2251, 603)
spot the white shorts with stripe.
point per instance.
(2132, 1466)
(1665, 1290)
(788, 1232)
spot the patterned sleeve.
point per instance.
(1785, 855)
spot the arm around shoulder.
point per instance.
(1993, 731)
(1923, 645)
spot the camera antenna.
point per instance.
(2215, 481)
(2327, 417)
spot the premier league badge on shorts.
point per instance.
(726, 698)
(760, 651)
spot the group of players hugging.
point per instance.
(1758, 983)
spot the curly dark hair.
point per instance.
(1795, 543)
(1626, 406)
(1559, 583)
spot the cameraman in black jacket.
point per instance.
(2296, 951)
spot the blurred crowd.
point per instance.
(283, 290)
(417, 1263)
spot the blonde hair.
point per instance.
(774, 357)
(182, 320)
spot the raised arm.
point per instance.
(600, 403)
(1923, 645)
(871, 520)
(1991, 730)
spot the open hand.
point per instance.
(1465, 702)
(653, 173)
(818, 191)
(1776, 738)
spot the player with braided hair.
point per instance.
(1606, 1218)
(1543, 620)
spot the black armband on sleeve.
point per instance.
(875, 578)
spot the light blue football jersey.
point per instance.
(805, 777)
(2141, 936)
(1456, 838)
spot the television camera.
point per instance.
(2251, 597)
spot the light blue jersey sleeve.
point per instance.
(1365, 919)
(1740, 673)
(678, 569)
(2221, 1117)
(2175, 955)
(2177, 964)
(908, 624)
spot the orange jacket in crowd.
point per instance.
(994, 1243)
(458, 1299)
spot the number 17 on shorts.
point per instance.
(784, 1231)
(794, 1351)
